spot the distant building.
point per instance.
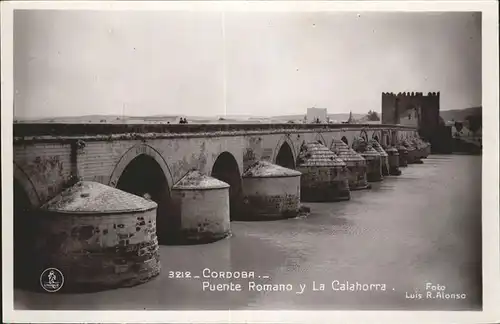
(315, 114)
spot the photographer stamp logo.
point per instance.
(51, 280)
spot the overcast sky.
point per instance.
(71, 63)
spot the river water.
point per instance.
(418, 233)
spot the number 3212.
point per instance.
(179, 274)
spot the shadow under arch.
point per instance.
(29, 189)
(144, 177)
(364, 135)
(319, 137)
(134, 152)
(26, 269)
(344, 139)
(284, 139)
(226, 169)
(285, 157)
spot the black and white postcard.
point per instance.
(250, 161)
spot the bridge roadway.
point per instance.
(423, 226)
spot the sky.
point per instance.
(71, 63)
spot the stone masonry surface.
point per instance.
(100, 251)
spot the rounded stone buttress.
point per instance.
(354, 162)
(393, 161)
(270, 192)
(384, 157)
(324, 176)
(422, 146)
(418, 147)
(413, 154)
(372, 157)
(99, 237)
(201, 204)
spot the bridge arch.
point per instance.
(364, 135)
(24, 182)
(226, 169)
(282, 151)
(378, 136)
(285, 156)
(143, 171)
(345, 140)
(134, 152)
(319, 137)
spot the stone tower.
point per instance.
(395, 106)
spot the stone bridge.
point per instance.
(153, 161)
(152, 158)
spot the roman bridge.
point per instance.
(153, 157)
(150, 159)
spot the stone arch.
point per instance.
(319, 137)
(285, 156)
(226, 169)
(364, 135)
(131, 154)
(344, 139)
(143, 171)
(377, 135)
(284, 139)
(29, 188)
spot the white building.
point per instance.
(313, 114)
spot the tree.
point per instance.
(373, 116)
(475, 122)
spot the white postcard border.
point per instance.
(490, 171)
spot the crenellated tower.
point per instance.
(396, 107)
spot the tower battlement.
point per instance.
(410, 94)
(414, 108)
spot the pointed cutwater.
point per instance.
(372, 157)
(384, 157)
(324, 175)
(393, 161)
(355, 163)
(403, 155)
